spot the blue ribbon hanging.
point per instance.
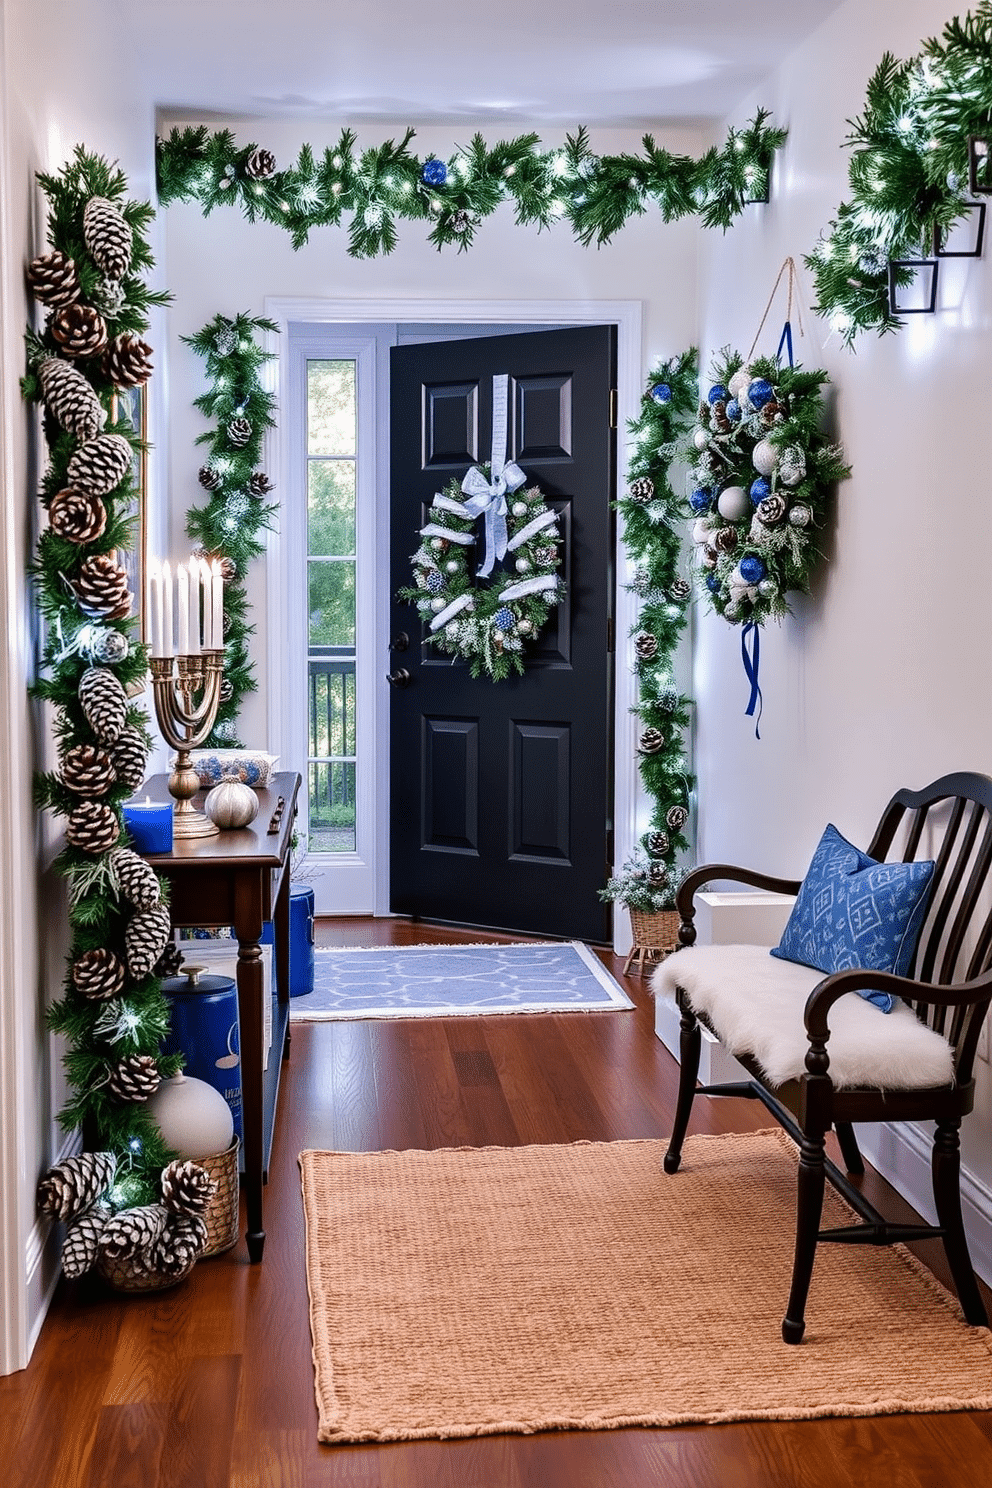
(751, 671)
(786, 341)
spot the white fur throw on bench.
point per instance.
(755, 1004)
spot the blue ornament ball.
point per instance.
(733, 410)
(701, 500)
(503, 619)
(759, 392)
(661, 393)
(759, 490)
(435, 172)
(435, 582)
(713, 583)
(752, 569)
(717, 394)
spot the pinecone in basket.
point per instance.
(100, 464)
(98, 974)
(70, 398)
(260, 165)
(239, 431)
(101, 588)
(145, 939)
(104, 704)
(259, 483)
(130, 754)
(80, 330)
(186, 1187)
(52, 278)
(136, 880)
(93, 827)
(87, 770)
(180, 1245)
(209, 478)
(108, 236)
(77, 517)
(82, 1239)
(132, 1231)
(127, 361)
(73, 1184)
(135, 1078)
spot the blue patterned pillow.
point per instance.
(852, 911)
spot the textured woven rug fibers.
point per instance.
(477, 1290)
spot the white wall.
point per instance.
(880, 678)
(63, 82)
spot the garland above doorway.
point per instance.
(597, 194)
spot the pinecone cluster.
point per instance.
(129, 755)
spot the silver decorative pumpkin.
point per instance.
(231, 804)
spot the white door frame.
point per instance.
(626, 315)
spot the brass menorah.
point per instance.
(186, 721)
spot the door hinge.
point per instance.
(614, 407)
(609, 851)
(610, 640)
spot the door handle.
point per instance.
(399, 678)
(399, 642)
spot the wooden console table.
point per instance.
(241, 878)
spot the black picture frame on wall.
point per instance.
(132, 410)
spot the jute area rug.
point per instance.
(477, 1290)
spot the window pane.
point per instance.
(330, 408)
(332, 603)
(330, 507)
(332, 706)
(332, 808)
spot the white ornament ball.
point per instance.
(437, 605)
(733, 503)
(800, 516)
(700, 439)
(739, 383)
(522, 565)
(524, 627)
(451, 566)
(765, 457)
(793, 467)
(701, 530)
(519, 508)
(194, 1118)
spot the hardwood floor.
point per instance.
(211, 1385)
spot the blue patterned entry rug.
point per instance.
(442, 981)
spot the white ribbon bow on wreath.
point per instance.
(488, 497)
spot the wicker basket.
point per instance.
(222, 1214)
(655, 935)
(130, 1275)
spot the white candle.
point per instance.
(167, 640)
(155, 608)
(218, 606)
(208, 618)
(182, 586)
(194, 607)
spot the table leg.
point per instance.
(250, 993)
(280, 925)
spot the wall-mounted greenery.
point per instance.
(228, 526)
(596, 194)
(909, 172)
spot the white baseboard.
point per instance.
(901, 1154)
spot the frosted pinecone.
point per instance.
(70, 398)
(676, 818)
(259, 483)
(79, 329)
(87, 770)
(186, 1187)
(82, 1240)
(135, 1078)
(170, 963)
(104, 704)
(651, 741)
(76, 517)
(130, 755)
(101, 587)
(180, 1245)
(646, 645)
(136, 880)
(641, 489)
(209, 478)
(52, 279)
(98, 974)
(145, 939)
(239, 431)
(93, 827)
(108, 236)
(260, 165)
(73, 1184)
(132, 1231)
(128, 361)
(100, 464)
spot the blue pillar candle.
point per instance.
(150, 825)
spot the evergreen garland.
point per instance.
(596, 194)
(652, 514)
(908, 174)
(91, 659)
(228, 526)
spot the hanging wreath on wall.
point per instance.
(490, 618)
(761, 473)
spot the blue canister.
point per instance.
(300, 939)
(205, 1030)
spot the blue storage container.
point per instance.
(300, 939)
(205, 1029)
